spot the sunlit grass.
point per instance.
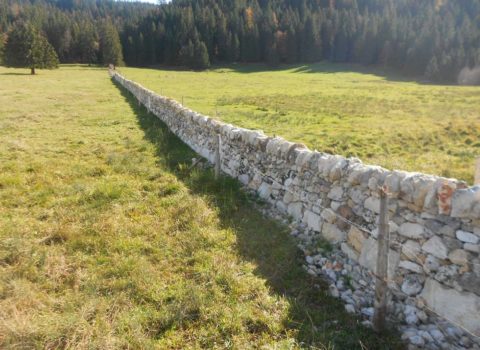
(106, 243)
(340, 109)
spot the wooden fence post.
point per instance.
(380, 303)
(217, 157)
(477, 172)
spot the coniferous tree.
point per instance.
(27, 48)
(432, 70)
(186, 54)
(110, 46)
(2, 44)
(85, 43)
(201, 59)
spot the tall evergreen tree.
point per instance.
(110, 46)
(27, 48)
(201, 59)
(2, 44)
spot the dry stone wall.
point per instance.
(434, 264)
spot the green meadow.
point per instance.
(343, 109)
(108, 240)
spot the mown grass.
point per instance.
(341, 109)
(108, 242)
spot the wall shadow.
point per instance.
(16, 73)
(323, 67)
(318, 318)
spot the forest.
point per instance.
(437, 40)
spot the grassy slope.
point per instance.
(107, 242)
(339, 109)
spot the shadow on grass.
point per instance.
(320, 320)
(323, 67)
(16, 73)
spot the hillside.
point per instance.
(339, 109)
(108, 241)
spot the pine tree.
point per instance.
(110, 46)
(186, 54)
(432, 70)
(201, 58)
(27, 48)
(2, 44)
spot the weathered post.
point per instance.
(380, 303)
(217, 157)
(477, 172)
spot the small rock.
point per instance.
(328, 215)
(373, 204)
(367, 323)
(431, 264)
(313, 220)
(356, 238)
(411, 230)
(349, 251)
(411, 319)
(463, 201)
(467, 237)
(411, 285)
(368, 311)
(410, 266)
(350, 308)
(425, 335)
(411, 249)
(332, 233)
(446, 273)
(454, 332)
(416, 340)
(459, 257)
(437, 335)
(436, 247)
(465, 341)
(336, 193)
(474, 248)
(422, 316)
(334, 291)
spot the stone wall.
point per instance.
(434, 264)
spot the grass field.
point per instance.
(107, 242)
(339, 109)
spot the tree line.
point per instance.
(436, 39)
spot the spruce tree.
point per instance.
(186, 54)
(201, 58)
(110, 46)
(432, 70)
(2, 44)
(27, 48)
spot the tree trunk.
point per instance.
(32, 70)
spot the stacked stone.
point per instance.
(434, 264)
